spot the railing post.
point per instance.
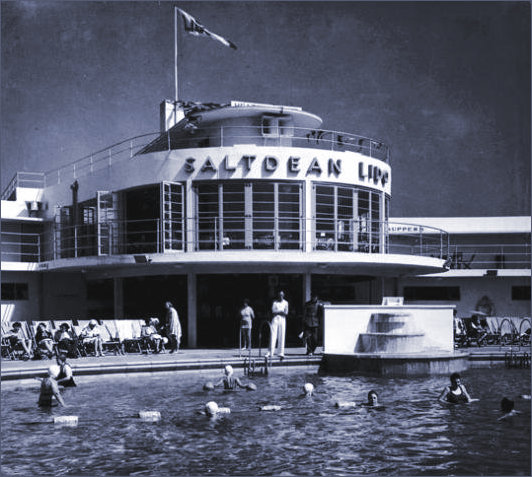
(159, 235)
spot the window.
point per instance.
(521, 293)
(14, 291)
(432, 293)
(277, 126)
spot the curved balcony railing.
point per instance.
(283, 234)
(223, 136)
(215, 234)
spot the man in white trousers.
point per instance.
(278, 325)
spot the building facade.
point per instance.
(229, 202)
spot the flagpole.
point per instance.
(175, 53)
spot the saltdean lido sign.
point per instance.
(370, 171)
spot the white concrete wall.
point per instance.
(472, 289)
(344, 323)
(170, 166)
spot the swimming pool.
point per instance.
(414, 435)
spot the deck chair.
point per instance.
(17, 350)
(127, 337)
(148, 346)
(110, 336)
(508, 332)
(475, 336)
(524, 332)
(41, 352)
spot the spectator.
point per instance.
(173, 327)
(17, 336)
(66, 340)
(278, 325)
(44, 340)
(311, 323)
(247, 316)
(91, 335)
(150, 333)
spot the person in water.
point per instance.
(65, 377)
(507, 407)
(228, 380)
(455, 393)
(49, 388)
(373, 399)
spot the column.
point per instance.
(308, 216)
(307, 287)
(192, 311)
(118, 297)
(190, 220)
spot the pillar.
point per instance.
(307, 287)
(192, 311)
(118, 297)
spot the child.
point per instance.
(49, 388)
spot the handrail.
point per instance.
(261, 326)
(215, 137)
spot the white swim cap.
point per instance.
(308, 388)
(93, 323)
(228, 369)
(211, 408)
(165, 340)
(54, 370)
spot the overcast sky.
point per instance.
(446, 85)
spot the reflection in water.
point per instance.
(414, 435)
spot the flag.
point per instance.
(195, 28)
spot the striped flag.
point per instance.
(195, 28)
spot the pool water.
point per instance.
(413, 435)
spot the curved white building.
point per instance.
(227, 202)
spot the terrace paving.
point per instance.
(196, 359)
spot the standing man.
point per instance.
(173, 327)
(278, 324)
(311, 323)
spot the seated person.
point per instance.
(479, 332)
(49, 388)
(44, 340)
(150, 333)
(228, 380)
(66, 340)
(64, 378)
(17, 336)
(455, 393)
(91, 335)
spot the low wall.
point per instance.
(344, 323)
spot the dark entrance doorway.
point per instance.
(220, 298)
(145, 297)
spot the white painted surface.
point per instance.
(344, 323)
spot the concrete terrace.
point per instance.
(197, 359)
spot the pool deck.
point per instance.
(195, 359)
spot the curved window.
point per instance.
(349, 218)
(248, 215)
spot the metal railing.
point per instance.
(215, 234)
(21, 247)
(23, 179)
(223, 136)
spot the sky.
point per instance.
(445, 84)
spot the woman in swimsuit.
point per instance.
(455, 393)
(49, 389)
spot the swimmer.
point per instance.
(212, 409)
(308, 389)
(65, 372)
(455, 393)
(228, 380)
(507, 407)
(373, 399)
(525, 396)
(49, 388)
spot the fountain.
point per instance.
(390, 340)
